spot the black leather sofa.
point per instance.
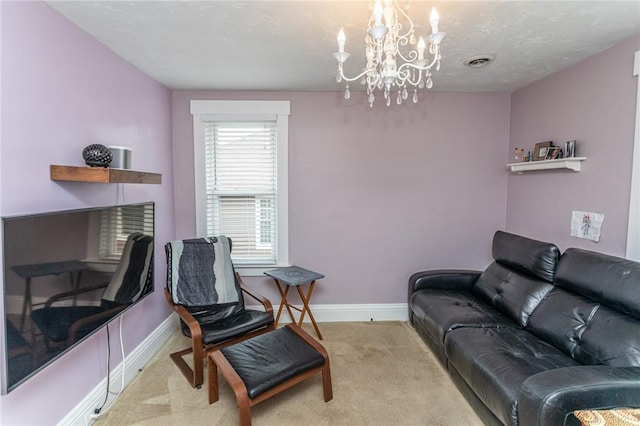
(536, 335)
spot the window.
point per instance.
(241, 178)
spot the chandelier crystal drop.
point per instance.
(395, 59)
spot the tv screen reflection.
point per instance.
(67, 274)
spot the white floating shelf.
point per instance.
(571, 163)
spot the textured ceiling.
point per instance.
(288, 45)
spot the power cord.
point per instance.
(106, 395)
(102, 409)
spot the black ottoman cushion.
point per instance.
(270, 359)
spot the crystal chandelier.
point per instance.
(394, 61)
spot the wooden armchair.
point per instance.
(213, 325)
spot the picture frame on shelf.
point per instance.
(541, 149)
(552, 153)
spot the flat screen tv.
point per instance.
(66, 275)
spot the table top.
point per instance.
(293, 275)
(49, 268)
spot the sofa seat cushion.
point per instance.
(231, 326)
(494, 362)
(439, 311)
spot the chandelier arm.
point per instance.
(411, 25)
(401, 42)
(357, 77)
(417, 67)
(413, 55)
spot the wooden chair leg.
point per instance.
(198, 365)
(214, 394)
(326, 369)
(326, 381)
(184, 367)
(244, 411)
(239, 389)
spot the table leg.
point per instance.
(283, 297)
(283, 303)
(306, 308)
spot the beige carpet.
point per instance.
(382, 374)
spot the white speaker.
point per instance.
(121, 157)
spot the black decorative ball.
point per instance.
(97, 155)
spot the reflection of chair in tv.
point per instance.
(19, 354)
(131, 280)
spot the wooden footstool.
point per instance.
(263, 366)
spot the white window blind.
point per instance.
(116, 224)
(241, 179)
(242, 187)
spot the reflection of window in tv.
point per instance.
(118, 223)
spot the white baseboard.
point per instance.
(83, 413)
(322, 313)
(350, 313)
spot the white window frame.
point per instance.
(205, 110)
(633, 230)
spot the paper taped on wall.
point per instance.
(586, 225)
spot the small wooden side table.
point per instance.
(294, 276)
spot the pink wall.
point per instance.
(593, 102)
(62, 90)
(375, 195)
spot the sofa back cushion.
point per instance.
(592, 313)
(530, 257)
(587, 331)
(610, 280)
(520, 277)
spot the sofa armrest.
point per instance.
(454, 279)
(550, 397)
